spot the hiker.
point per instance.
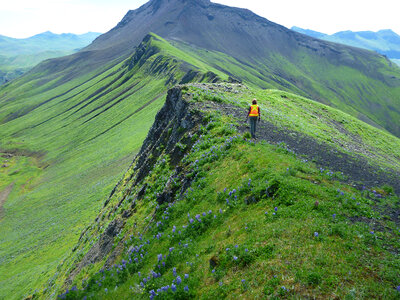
(254, 114)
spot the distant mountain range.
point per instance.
(19, 55)
(385, 42)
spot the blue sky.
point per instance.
(24, 18)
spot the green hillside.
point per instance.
(18, 56)
(339, 86)
(205, 213)
(79, 136)
(71, 139)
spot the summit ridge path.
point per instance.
(356, 167)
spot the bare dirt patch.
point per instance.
(3, 198)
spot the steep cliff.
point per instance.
(203, 211)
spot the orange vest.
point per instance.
(253, 111)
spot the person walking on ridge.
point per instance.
(254, 114)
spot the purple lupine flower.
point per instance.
(246, 250)
(186, 276)
(174, 271)
(276, 209)
(243, 281)
(173, 287)
(159, 256)
(171, 249)
(178, 280)
(106, 290)
(334, 216)
(220, 211)
(316, 234)
(235, 257)
(204, 214)
(186, 289)
(398, 288)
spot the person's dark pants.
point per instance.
(253, 126)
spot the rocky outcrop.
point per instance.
(174, 132)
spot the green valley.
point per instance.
(81, 161)
(129, 163)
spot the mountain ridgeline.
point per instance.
(197, 213)
(70, 127)
(356, 81)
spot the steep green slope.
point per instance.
(358, 81)
(373, 98)
(205, 213)
(82, 134)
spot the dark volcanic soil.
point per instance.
(355, 167)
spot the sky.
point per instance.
(25, 18)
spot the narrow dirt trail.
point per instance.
(356, 167)
(3, 198)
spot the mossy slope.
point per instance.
(80, 134)
(205, 213)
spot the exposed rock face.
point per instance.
(175, 125)
(101, 248)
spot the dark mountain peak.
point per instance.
(199, 22)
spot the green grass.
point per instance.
(74, 139)
(323, 123)
(369, 96)
(82, 156)
(272, 225)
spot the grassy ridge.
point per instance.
(256, 221)
(86, 132)
(325, 124)
(370, 97)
